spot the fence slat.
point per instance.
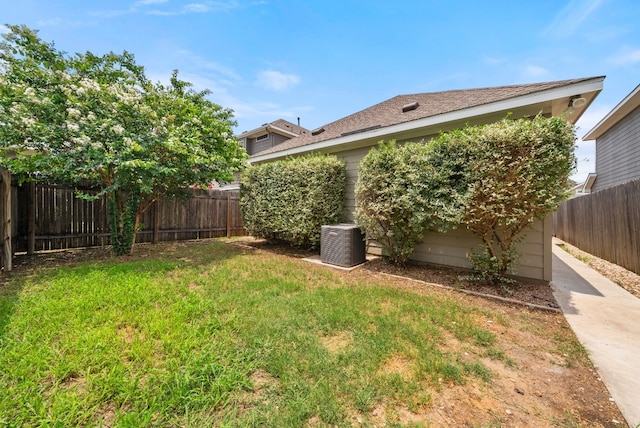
(605, 224)
(62, 220)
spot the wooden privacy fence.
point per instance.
(52, 217)
(605, 224)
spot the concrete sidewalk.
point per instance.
(606, 320)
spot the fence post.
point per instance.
(7, 253)
(156, 223)
(31, 217)
(228, 214)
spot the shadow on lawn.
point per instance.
(10, 289)
(192, 253)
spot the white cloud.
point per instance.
(202, 7)
(59, 22)
(626, 56)
(568, 20)
(204, 65)
(493, 60)
(150, 2)
(51, 22)
(248, 113)
(535, 71)
(197, 8)
(277, 81)
(150, 7)
(591, 117)
(251, 115)
(586, 150)
(113, 13)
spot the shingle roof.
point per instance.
(279, 123)
(288, 126)
(390, 112)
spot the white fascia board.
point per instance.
(619, 112)
(281, 131)
(266, 128)
(258, 130)
(592, 85)
(588, 182)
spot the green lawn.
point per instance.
(208, 334)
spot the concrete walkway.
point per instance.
(606, 320)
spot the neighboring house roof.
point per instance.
(280, 126)
(422, 114)
(619, 112)
(584, 188)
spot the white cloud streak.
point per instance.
(150, 2)
(585, 150)
(153, 7)
(571, 17)
(535, 71)
(276, 81)
(627, 56)
(209, 67)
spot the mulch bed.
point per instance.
(536, 293)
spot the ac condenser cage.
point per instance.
(342, 245)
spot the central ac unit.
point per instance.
(342, 245)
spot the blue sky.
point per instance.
(322, 60)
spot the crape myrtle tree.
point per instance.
(97, 121)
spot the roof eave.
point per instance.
(267, 128)
(247, 134)
(589, 86)
(281, 131)
(619, 112)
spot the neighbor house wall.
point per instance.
(254, 146)
(618, 153)
(452, 248)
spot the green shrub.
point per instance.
(517, 171)
(403, 191)
(289, 200)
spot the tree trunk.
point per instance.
(123, 220)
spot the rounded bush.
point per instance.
(289, 200)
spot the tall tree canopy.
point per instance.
(98, 121)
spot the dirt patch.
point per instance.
(127, 334)
(262, 386)
(337, 342)
(195, 288)
(399, 365)
(77, 383)
(106, 416)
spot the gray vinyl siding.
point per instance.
(352, 159)
(452, 248)
(254, 146)
(618, 153)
